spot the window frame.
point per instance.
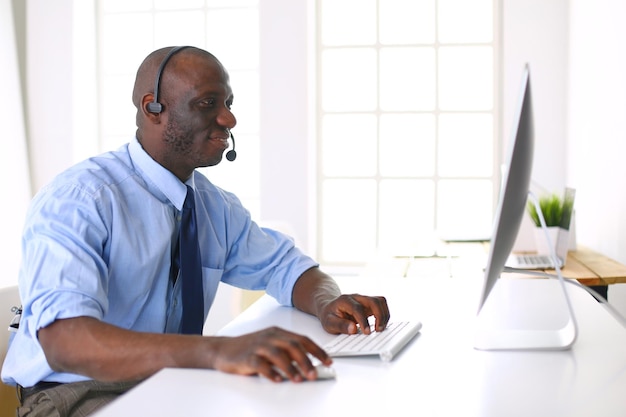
(497, 131)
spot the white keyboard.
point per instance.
(385, 344)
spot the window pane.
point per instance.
(407, 21)
(348, 22)
(347, 78)
(229, 3)
(178, 4)
(343, 137)
(186, 28)
(119, 54)
(465, 21)
(464, 209)
(112, 6)
(406, 214)
(407, 144)
(407, 79)
(348, 220)
(245, 86)
(232, 36)
(117, 114)
(465, 145)
(466, 78)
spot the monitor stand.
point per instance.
(527, 313)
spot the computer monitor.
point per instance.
(514, 190)
(502, 326)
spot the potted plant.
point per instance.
(557, 212)
(551, 207)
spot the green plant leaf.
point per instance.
(552, 208)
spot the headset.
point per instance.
(156, 107)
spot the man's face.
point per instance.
(198, 115)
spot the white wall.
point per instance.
(14, 176)
(60, 105)
(61, 93)
(536, 32)
(597, 127)
(578, 69)
(287, 188)
(49, 92)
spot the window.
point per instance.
(406, 110)
(129, 30)
(406, 121)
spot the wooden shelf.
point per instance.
(593, 268)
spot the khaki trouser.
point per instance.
(76, 399)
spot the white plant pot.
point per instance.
(541, 244)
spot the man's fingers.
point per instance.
(350, 312)
(286, 355)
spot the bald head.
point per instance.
(147, 72)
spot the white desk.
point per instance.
(438, 374)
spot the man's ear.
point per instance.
(150, 109)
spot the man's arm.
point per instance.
(318, 294)
(87, 346)
(98, 350)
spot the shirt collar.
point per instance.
(160, 177)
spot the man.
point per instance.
(101, 292)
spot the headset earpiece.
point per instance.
(155, 108)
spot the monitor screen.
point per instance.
(514, 190)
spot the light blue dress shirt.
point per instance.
(98, 242)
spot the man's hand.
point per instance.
(273, 353)
(318, 294)
(344, 313)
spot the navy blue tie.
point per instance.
(191, 269)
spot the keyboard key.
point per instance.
(384, 344)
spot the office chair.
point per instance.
(9, 297)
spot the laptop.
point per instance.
(544, 261)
